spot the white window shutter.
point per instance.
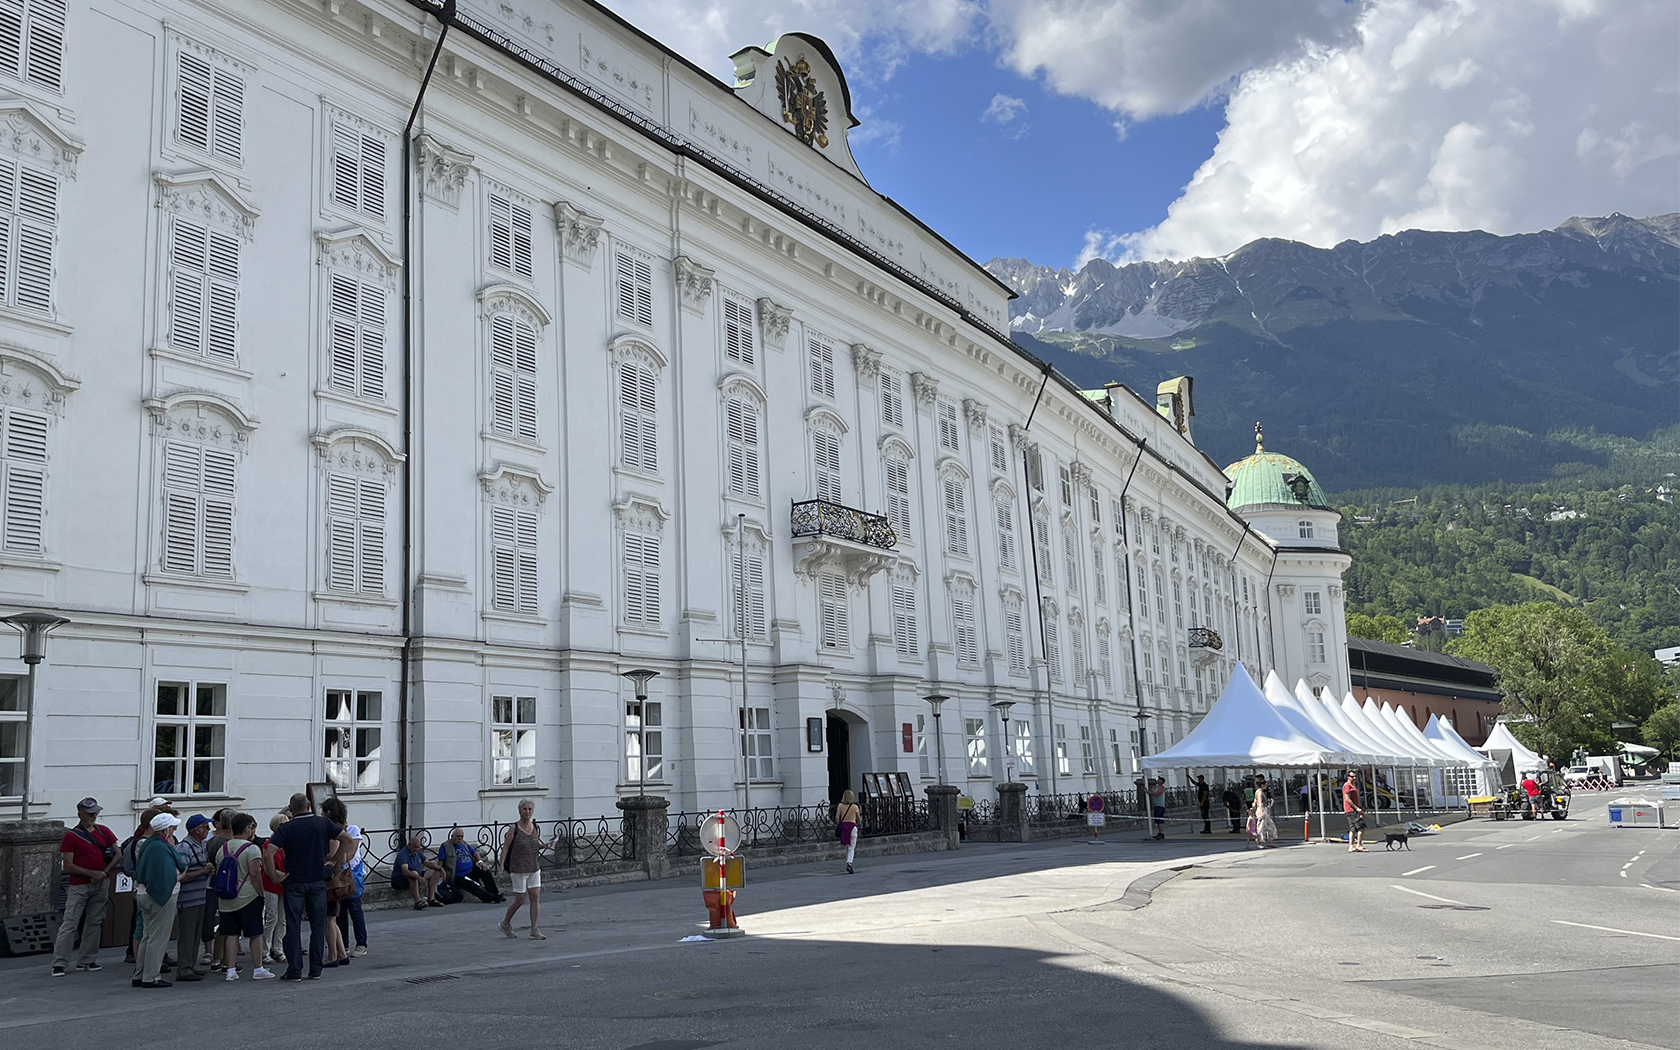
(180, 532)
(501, 231)
(346, 167)
(527, 536)
(193, 101)
(504, 554)
(44, 64)
(188, 242)
(822, 367)
(222, 329)
(373, 342)
(341, 553)
(228, 116)
(373, 176)
(892, 400)
(956, 517)
(738, 331)
(11, 38)
(343, 313)
(37, 222)
(741, 423)
(898, 496)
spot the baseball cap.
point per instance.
(164, 821)
(197, 820)
(158, 803)
(89, 805)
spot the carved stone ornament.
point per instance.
(27, 134)
(694, 283)
(28, 380)
(640, 514)
(1017, 437)
(202, 416)
(866, 363)
(580, 233)
(815, 555)
(975, 412)
(354, 251)
(443, 170)
(773, 322)
(925, 388)
(206, 197)
(514, 486)
(1286, 591)
(352, 450)
(1335, 592)
(1081, 472)
(804, 108)
(836, 694)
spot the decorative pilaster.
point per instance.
(442, 169)
(925, 388)
(694, 284)
(975, 412)
(580, 233)
(773, 322)
(866, 363)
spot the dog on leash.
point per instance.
(1396, 839)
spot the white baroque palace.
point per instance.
(338, 486)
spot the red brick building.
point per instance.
(1421, 683)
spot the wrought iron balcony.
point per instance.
(1207, 639)
(818, 517)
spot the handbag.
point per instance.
(342, 884)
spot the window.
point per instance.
(189, 754)
(833, 619)
(1160, 597)
(513, 740)
(1070, 555)
(1096, 509)
(1142, 593)
(948, 431)
(198, 490)
(741, 437)
(24, 464)
(634, 275)
(1035, 469)
(1000, 451)
(641, 579)
(1315, 647)
(904, 618)
(1155, 540)
(1023, 746)
(638, 423)
(1041, 535)
(1015, 637)
(1067, 486)
(1099, 582)
(821, 353)
(825, 463)
(1183, 678)
(203, 291)
(1178, 603)
(353, 728)
(644, 741)
(1305, 528)
(756, 624)
(11, 737)
(1006, 534)
(1105, 661)
(510, 235)
(1148, 665)
(358, 175)
(513, 377)
(1087, 751)
(974, 738)
(1062, 750)
(1052, 648)
(898, 495)
(920, 741)
(1175, 553)
(513, 560)
(1118, 517)
(1200, 685)
(356, 340)
(1115, 753)
(32, 41)
(1313, 601)
(737, 331)
(28, 231)
(211, 108)
(956, 517)
(1076, 642)
(892, 400)
(356, 534)
(757, 742)
(965, 629)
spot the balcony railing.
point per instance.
(818, 517)
(1206, 638)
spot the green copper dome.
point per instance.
(1271, 477)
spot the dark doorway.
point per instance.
(839, 758)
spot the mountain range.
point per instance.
(1416, 358)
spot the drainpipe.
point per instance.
(1038, 586)
(1131, 600)
(1248, 527)
(445, 15)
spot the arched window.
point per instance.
(741, 427)
(1305, 527)
(638, 403)
(897, 476)
(513, 377)
(956, 515)
(1006, 532)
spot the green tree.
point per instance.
(1390, 629)
(1550, 666)
(1662, 730)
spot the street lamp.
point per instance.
(935, 700)
(640, 676)
(34, 626)
(1003, 707)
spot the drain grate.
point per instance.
(433, 979)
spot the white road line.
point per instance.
(1665, 889)
(1417, 871)
(1622, 873)
(1611, 929)
(1443, 900)
(1467, 856)
(1507, 845)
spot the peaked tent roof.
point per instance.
(1360, 752)
(1501, 739)
(1292, 712)
(1242, 729)
(1441, 733)
(1413, 753)
(1409, 731)
(1353, 728)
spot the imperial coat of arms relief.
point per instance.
(803, 106)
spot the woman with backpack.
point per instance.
(239, 883)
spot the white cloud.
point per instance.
(886, 135)
(1008, 113)
(1444, 114)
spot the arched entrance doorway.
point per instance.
(847, 741)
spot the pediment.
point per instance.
(207, 197)
(27, 132)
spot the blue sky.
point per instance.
(1031, 187)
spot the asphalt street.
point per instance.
(1515, 936)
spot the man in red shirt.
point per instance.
(89, 853)
(1355, 814)
(1531, 788)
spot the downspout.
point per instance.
(1038, 586)
(1270, 636)
(445, 15)
(1131, 600)
(1247, 528)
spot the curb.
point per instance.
(1142, 889)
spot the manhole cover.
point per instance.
(1453, 907)
(433, 979)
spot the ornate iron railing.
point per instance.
(595, 840)
(1206, 638)
(984, 811)
(818, 517)
(765, 826)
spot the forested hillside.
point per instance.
(1447, 551)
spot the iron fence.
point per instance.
(593, 840)
(769, 826)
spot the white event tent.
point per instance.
(1501, 739)
(1244, 729)
(1441, 733)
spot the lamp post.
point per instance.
(1003, 707)
(640, 676)
(34, 626)
(935, 700)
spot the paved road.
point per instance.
(1007, 946)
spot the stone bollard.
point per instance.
(645, 826)
(29, 866)
(1012, 813)
(942, 811)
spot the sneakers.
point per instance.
(232, 975)
(537, 935)
(291, 977)
(419, 905)
(359, 950)
(263, 973)
(155, 984)
(849, 870)
(507, 928)
(59, 971)
(88, 967)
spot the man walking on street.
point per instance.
(195, 886)
(1355, 814)
(313, 845)
(1233, 807)
(1204, 798)
(1158, 806)
(157, 885)
(89, 854)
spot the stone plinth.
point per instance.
(1012, 813)
(942, 811)
(645, 826)
(29, 866)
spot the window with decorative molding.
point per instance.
(892, 399)
(834, 630)
(510, 234)
(644, 741)
(1105, 661)
(950, 428)
(741, 430)
(1024, 757)
(513, 740)
(1052, 647)
(1183, 677)
(641, 579)
(1014, 636)
(638, 420)
(513, 377)
(633, 279)
(1000, 450)
(28, 234)
(825, 465)
(1099, 574)
(956, 516)
(750, 565)
(1087, 751)
(1178, 604)
(1305, 528)
(189, 741)
(965, 630)
(1062, 767)
(897, 474)
(1041, 537)
(1142, 610)
(974, 744)
(199, 483)
(513, 560)
(1312, 603)
(739, 343)
(32, 41)
(1070, 557)
(758, 743)
(356, 336)
(203, 290)
(1148, 665)
(353, 730)
(1117, 516)
(820, 354)
(1160, 597)
(1096, 508)
(1067, 486)
(1076, 643)
(1315, 647)
(209, 106)
(905, 642)
(1006, 533)
(356, 534)
(23, 459)
(358, 171)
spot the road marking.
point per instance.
(1416, 871)
(1665, 889)
(1507, 845)
(1467, 856)
(1612, 929)
(1443, 900)
(1622, 873)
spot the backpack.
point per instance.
(130, 855)
(229, 877)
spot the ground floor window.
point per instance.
(11, 737)
(354, 727)
(644, 741)
(757, 743)
(974, 734)
(1087, 750)
(513, 740)
(1023, 747)
(189, 744)
(1062, 766)
(922, 745)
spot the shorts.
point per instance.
(1356, 822)
(525, 880)
(244, 922)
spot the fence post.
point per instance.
(1012, 813)
(645, 824)
(942, 811)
